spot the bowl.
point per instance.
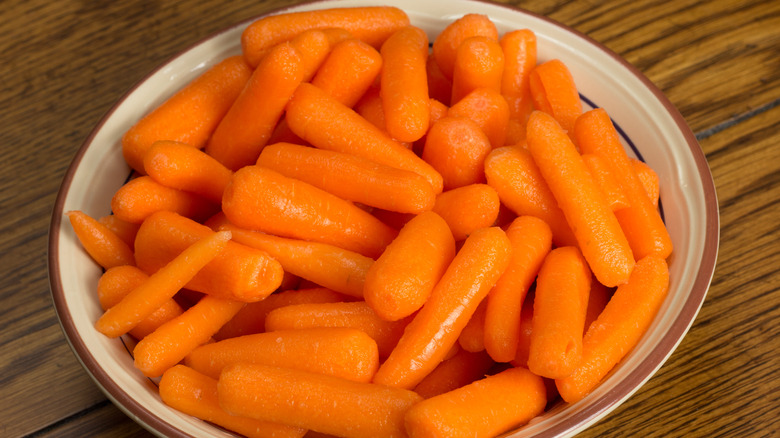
(651, 129)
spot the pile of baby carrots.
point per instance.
(351, 230)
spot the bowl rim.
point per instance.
(578, 420)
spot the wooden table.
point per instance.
(65, 63)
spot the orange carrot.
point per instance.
(191, 114)
(446, 44)
(351, 177)
(641, 222)
(102, 244)
(349, 71)
(436, 327)
(553, 91)
(602, 174)
(189, 391)
(468, 208)
(183, 167)
(402, 278)
(619, 327)
(531, 240)
(598, 232)
(456, 147)
(519, 48)
(526, 328)
(139, 198)
(336, 351)
(439, 85)
(479, 63)
(327, 124)
(313, 46)
(649, 179)
(240, 273)
(459, 370)
(246, 127)
(404, 84)
(160, 286)
(123, 229)
(560, 305)
(515, 133)
(597, 299)
(512, 172)
(329, 266)
(472, 337)
(488, 109)
(370, 24)
(313, 401)
(174, 340)
(261, 199)
(437, 112)
(484, 408)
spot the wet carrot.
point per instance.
(436, 327)
(456, 147)
(160, 286)
(401, 279)
(598, 233)
(602, 174)
(619, 327)
(484, 408)
(349, 71)
(488, 109)
(531, 241)
(103, 245)
(313, 401)
(649, 179)
(519, 48)
(468, 208)
(446, 44)
(139, 198)
(261, 199)
(123, 229)
(472, 337)
(439, 85)
(459, 370)
(553, 91)
(479, 63)
(191, 114)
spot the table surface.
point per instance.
(65, 63)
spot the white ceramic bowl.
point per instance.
(652, 129)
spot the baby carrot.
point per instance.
(313, 401)
(313, 46)
(183, 167)
(102, 244)
(479, 63)
(531, 241)
(560, 305)
(459, 370)
(349, 71)
(193, 393)
(648, 178)
(326, 123)
(484, 408)
(336, 351)
(598, 232)
(602, 174)
(519, 48)
(373, 24)
(439, 85)
(123, 229)
(191, 114)
(553, 91)
(261, 199)
(468, 208)
(472, 337)
(488, 109)
(619, 327)
(404, 84)
(525, 330)
(351, 177)
(597, 299)
(641, 222)
(174, 340)
(139, 198)
(402, 278)
(446, 44)
(436, 327)
(456, 147)
(245, 129)
(160, 286)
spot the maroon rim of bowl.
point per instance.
(593, 412)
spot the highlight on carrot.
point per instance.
(519, 48)
(103, 245)
(602, 174)
(456, 147)
(350, 69)
(313, 46)
(141, 197)
(468, 208)
(123, 229)
(446, 44)
(479, 63)
(489, 109)
(553, 91)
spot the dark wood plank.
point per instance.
(102, 420)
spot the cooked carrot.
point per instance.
(619, 327)
(436, 327)
(336, 351)
(349, 71)
(404, 84)
(325, 123)
(351, 177)
(446, 44)
(459, 370)
(526, 328)
(519, 48)
(183, 167)
(553, 91)
(370, 24)
(160, 286)
(439, 85)
(597, 299)
(560, 305)
(261, 199)
(512, 172)
(598, 232)
(472, 337)
(313, 46)
(531, 240)
(484, 408)
(193, 393)
(240, 273)
(102, 244)
(329, 266)
(401, 279)
(456, 147)
(479, 63)
(649, 179)
(468, 208)
(139, 198)
(313, 401)
(191, 114)
(488, 109)
(123, 229)
(358, 315)
(601, 172)
(641, 222)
